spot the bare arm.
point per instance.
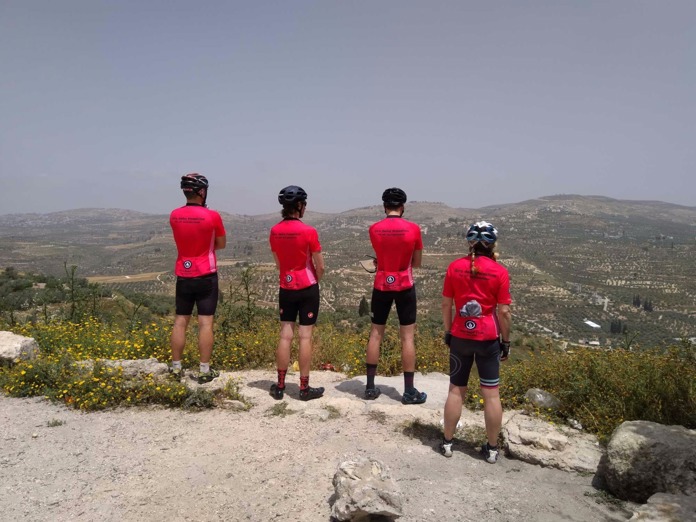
(417, 258)
(318, 261)
(447, 313)
(505, 320)
(220, 242)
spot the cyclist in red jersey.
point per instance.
(300, 263)
(198, 233)
(479, 290)
(399, 248)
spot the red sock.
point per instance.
(304, 382)
(281, 378)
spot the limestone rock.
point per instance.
(535, 441)
(363, 489)
(542, 399)
(136, 367)
(663, 507)
(13, 347)
(644, 458)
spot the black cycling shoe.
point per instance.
(413, 396)
(311, 393)
(372, 393)
(277, 392)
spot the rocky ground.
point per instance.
(162, 464)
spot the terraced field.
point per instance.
(571, 259)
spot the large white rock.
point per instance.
(663, 507)
(363, 489)
(644, 458)
(535, 441)
(14, 347)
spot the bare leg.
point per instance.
(492, 413)
(205, 337)
(287, 332)
(408, 347)
(305, 356)
(376, 336)
(178, 338)
(453, 409)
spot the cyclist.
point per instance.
(198, 233)
(398, 247)
(479, 289)
(300, 263)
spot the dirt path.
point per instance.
(160, 464)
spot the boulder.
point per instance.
(662, 507)
(644, 458)
(17, 347)
(364, 489)
(542, 399)
(535, 441)
(135, 367)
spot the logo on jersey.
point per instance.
(288, 278)
(187, 264)
(391, 280)
(470, 325)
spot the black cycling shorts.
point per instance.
(304, 302)
(463, 353)
(201, 291)
(405, 306)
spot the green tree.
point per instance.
(364, 307)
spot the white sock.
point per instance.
(205, 367)
(176, 365)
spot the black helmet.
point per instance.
(193, 182)
(292, 194)
(483, 232)
(394, 197)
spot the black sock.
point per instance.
(408, 381)
(371, 370)
(446, 441)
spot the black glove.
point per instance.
(504, 350)
(448, 338)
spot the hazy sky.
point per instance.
(107, 104)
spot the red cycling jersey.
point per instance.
(294, 242)
(195, 229)
(490, 286)
(394, 240)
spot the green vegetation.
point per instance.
(599, 387)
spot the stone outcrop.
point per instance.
(542, 399)
(536, 441)
(365, 489)
(17, 347)
(663, 507)
(644, 458)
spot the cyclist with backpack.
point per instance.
(478, 288)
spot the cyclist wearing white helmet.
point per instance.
(479, 331)
(300, 264)
(198, 233)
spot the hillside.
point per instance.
(571, 258)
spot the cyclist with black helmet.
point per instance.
(297, 253)
(478, 331)
(198, 233)
(398, 247)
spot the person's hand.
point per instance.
(448, 338)
(504, 350)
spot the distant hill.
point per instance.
(570, 257)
